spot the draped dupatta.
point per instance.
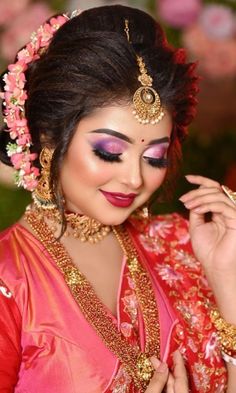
(55, 348)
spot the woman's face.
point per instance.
(114, 164)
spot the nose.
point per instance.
(132, 175)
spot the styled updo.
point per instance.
(89, 64)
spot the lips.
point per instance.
(119, 200)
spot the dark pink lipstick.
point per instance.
(118, 199)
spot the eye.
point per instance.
(157, 162)
(108, 157)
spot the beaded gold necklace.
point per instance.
(136, 363)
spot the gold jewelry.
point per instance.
(226, 333)
(42, 195)
(230, 194)
(142, 213)
(126, 30)
(80, 226)
(146, 100)
(228, 359)
(136, 363)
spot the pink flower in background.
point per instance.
(195, 41)
(10, 9)
(19, 31)
(220, 61)
(218, 21)
(179, 13)
(217, 57)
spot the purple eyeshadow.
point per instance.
(109, 145)
(157, 151)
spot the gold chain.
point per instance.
(136, 363)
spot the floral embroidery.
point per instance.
(154, 245)
(201, 377)
(126, 329)
(165, 242)
(5, 292)
(159, 228)
(169, 274)
(131, 306)
(212, 349)
(121, 382)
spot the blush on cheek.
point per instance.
(155, 181)
(85, 168)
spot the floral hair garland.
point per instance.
(14, 97)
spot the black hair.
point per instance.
(90, 64)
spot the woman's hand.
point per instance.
(163, 379)
(214, 241)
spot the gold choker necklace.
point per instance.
(81, 227)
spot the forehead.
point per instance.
(121, 119)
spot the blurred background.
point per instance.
(206, 28)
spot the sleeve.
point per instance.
(10, 346)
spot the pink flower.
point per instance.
(18, 67)
(179, 13)
(17, 160)
(218, 21)
(10, 9)
(19, 31)
(30, 183)
(220, 61)
(24, 139)
(14, 99)
(217, 58)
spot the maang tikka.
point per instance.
(146, 100)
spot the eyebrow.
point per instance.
(126, 138)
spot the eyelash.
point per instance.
(157, 162)
(108, 157)
(111, 157)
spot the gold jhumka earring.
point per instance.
(80, 226)
(142, 213)
(42, 195)
(146, 100)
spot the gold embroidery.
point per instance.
(136, 364)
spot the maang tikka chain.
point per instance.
(146, 100)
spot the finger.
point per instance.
(180, 374)
(197, 215)
(159, 378)
(227, 211)
(202, 181)
(170, 386)
(199, 191)
(202, 198)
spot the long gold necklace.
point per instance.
(136, 363)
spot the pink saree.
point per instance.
(46, 344)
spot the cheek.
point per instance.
(86, 168)
(154, 179)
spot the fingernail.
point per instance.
(155, 362)
(162, 368)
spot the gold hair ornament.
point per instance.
(146, 100)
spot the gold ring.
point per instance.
(230, 194)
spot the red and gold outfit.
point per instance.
(47, 345)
